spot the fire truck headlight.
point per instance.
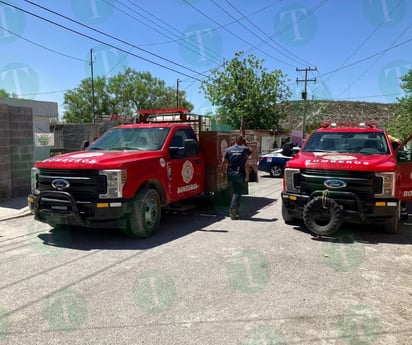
(33, 178)
(386, 185)
(291, 180)
(115, 180)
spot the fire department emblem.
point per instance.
(187, 171)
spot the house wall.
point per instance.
(16, 150)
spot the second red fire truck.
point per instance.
(348, 172)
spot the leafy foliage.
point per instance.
(244, 89)
(4, 93)
(401, 125)
(123, 93)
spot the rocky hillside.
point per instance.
(345, 111)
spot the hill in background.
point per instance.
(337, 111)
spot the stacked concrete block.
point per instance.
(16, 150)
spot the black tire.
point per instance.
(392, 226)
(322, 215)
(146, 215)
(287, 217)
(276, 171)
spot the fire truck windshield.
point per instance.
(122, 139)
(347, 142)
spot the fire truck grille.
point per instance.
(83, 185)
(363, 184)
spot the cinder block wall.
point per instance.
(5, 153)
(75, 134)
(16, 148)
(69, 137)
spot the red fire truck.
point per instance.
(127, 176)
(348, 172)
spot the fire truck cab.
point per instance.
(348, 172)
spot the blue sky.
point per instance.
(359, 48)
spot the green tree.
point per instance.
(401, 125)
(123, 93)
(78, 102)
(244, 89)
(140, 90)
(4, 93)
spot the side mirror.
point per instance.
(401, 156)
(174, 151)
(85, 144)
(191, 148)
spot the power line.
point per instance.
(360, 46)
(253, 33)
(105, 43)
(295, 57)
(148, 22)
(41, 46)
(368, 57)
(376, 60)
(233, 34)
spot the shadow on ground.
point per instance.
(364, 233)
(201, 213)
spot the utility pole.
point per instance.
(305, 94)
(91, 67)
(177, 93)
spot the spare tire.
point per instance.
(322, 215)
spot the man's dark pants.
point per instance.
(238, 184)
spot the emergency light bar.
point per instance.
(348, 125)
(163, 111)
(162, 115)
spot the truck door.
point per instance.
(186, 169)
(404, 158)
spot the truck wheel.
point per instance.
(392, 226)
(276, 171)
(287, 218)
(146, 215)
(323, 216)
